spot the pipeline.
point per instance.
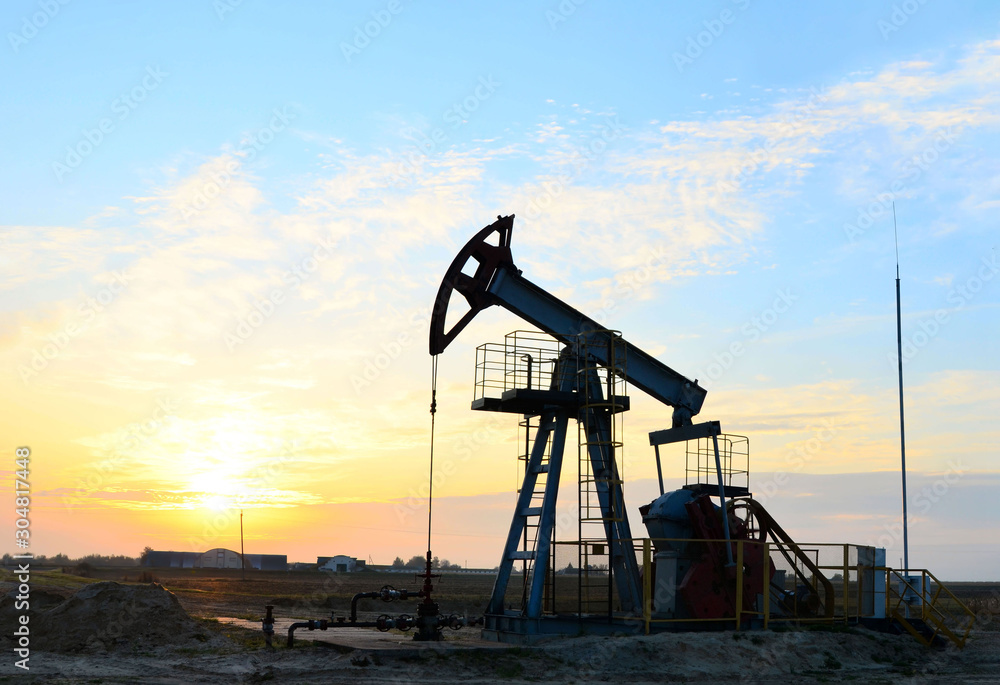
(387, 594)
(311, 625)
(383, 623)
(427, 622)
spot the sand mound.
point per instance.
(760, 655)
(103, 616)
(40, 599)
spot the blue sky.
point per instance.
(707, 177)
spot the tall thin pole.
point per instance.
(902, 430)
(430, 479)
(243, 559)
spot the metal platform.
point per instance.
(531, 402)
(713, 490)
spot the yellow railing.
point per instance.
(916, 594)
(847, 579)
(856, 583)
(834, 581)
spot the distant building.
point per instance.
(340, 564)
(216, 558)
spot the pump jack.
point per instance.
(580, 387)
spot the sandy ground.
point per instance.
(111, 633)
(707, 657)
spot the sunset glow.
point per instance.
(222, 303)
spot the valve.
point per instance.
(267, 626)
(388, 593)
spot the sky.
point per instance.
(223, 224)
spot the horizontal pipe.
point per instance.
(311, 625)
(386, 594)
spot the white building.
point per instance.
(340, 564)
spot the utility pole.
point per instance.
(243, 559)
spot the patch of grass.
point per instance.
(248, 615)
(58, 579)
(831, 662)
(757, 640)
(511, 669)
(244, 637)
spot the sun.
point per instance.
(216, 490)
(216, 503)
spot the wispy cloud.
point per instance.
(651, 190)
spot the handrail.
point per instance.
(837, 609)
(954, 624)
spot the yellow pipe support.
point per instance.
(767, 583)
(739, 583)
(847, 588)
(647, 584)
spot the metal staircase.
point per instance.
(924, 607)
(534, 479)
(530, 537)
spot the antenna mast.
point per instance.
(899, 358)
